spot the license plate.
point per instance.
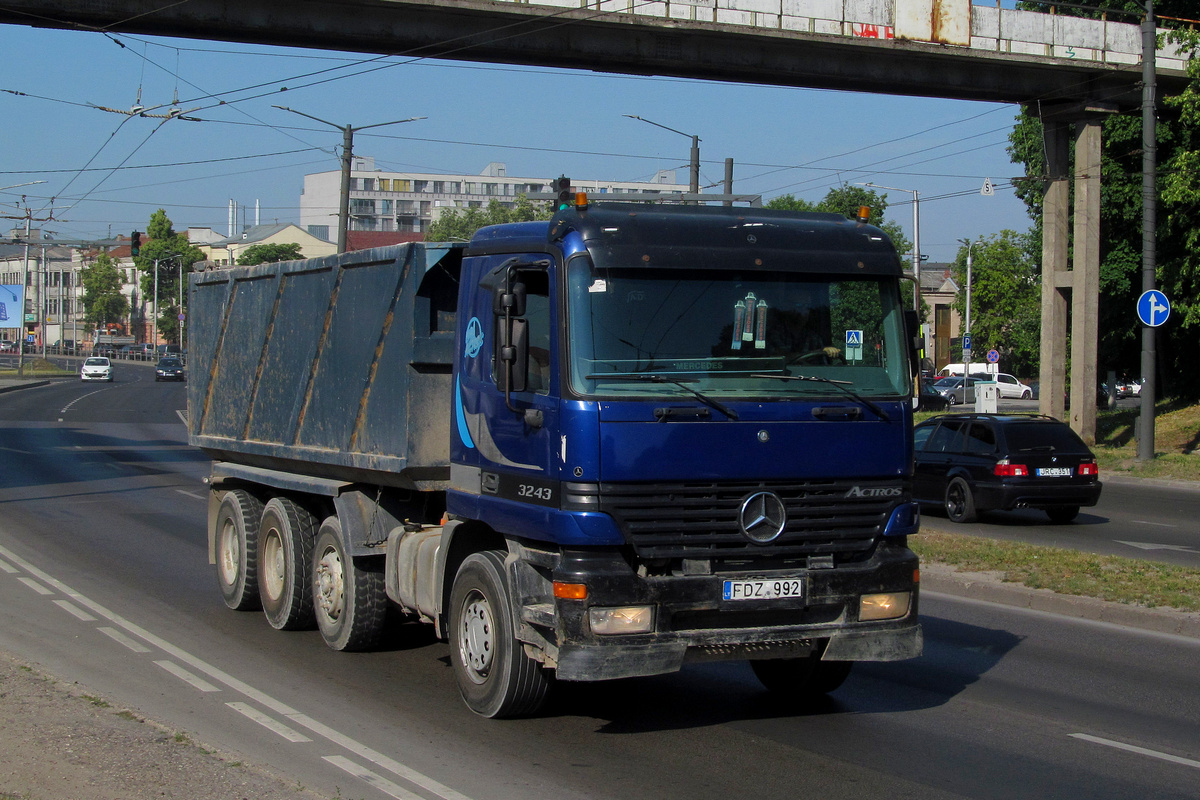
(763, 590)
(1054, 472)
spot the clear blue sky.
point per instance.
(540, 122)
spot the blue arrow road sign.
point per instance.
(1153, 308)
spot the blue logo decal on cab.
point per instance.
(474, 337)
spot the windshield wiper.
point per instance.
(841, 385)
(642, 376)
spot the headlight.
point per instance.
(630, 619)
(889, 605)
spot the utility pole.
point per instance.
(1145, 439)
(347, 157)
(694, 183)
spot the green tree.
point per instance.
(460, 225)
(103, 301)
(845, 201)
(173, 256)
(1178, 260)
(269, 254)
(1006, 293)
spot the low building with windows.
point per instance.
(410, 202)
(226, 250)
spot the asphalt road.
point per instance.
(104, 580)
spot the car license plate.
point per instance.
(1054, 472)
(763, 590)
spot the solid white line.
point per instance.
(71, 608)
(241, 687)
(7, 567)
(37, 587)
(187, 677)
(1142, 751)
(121, 638)
(268, 722)
(365, 775)
(191, 494)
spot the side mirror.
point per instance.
(912, 329)
(510, 301)
(512, 355)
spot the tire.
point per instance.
(951, 400)
(1062, 514)
(800, 679)
(349, 603)
(1027, 395)
(285, 544)
(960, 502)
(495, 677)
(235, 543)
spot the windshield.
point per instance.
(749, 334)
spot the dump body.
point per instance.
(336, 367)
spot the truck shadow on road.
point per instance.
(701, 695)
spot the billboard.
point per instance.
(12, 305)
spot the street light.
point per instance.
(347, 155)
(967, 325)
(694, 184)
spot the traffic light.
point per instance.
(562, 186)
(135, 243)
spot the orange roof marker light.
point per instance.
(581, 200)
(864, 213)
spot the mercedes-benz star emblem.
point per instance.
(762, 517)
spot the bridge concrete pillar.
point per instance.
(1085, 299)
(1056, 277)
(1080, 282)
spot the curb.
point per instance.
(989, 588)
(13, 386)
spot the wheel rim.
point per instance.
(955, 501)
(231, 553)
(476, 645)
(274, 569)
(331, 585)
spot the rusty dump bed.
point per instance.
(336, 367)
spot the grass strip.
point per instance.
(1121, 580)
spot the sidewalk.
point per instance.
(12, 384)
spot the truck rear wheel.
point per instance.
(494, 675)
(801, 678)
(285, 542)
(349, 602)
(236, 553)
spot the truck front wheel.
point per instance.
(285, 542)
(237, 549)
(350, 602)
(801, 678)
(494, 675)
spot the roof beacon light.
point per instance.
(864, 213)
(581, 200)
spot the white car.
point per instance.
(96, 368)
(1011, 387)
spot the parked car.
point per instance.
(169, 369)
(969, 463)
(1129, 388)
(930, 399)
(8, 346)
(96, 368)
(1012, 388)
(956, 390)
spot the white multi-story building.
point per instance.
(410, 201)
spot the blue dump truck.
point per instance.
(602, 446)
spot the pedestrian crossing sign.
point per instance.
(854, 345)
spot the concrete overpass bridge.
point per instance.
(1073, 71)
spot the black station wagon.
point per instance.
(968, 463)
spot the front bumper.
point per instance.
(693, 623)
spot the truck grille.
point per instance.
(700, 520)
